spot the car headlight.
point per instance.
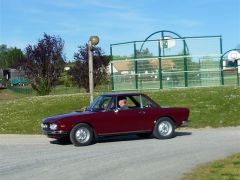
(44, 126)
(53, 126)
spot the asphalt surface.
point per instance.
(127, 157)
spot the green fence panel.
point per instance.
(184, 62)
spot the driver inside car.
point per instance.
(122, 103)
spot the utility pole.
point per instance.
(93, 41)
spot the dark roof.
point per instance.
(122, 94)
(129, 94)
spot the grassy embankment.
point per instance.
(227, 168)
(214, 107)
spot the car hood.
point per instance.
(52, 119)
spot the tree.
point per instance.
(145, 53)
(144, 65)
(9, 57)
(80, 73)
(44, 63)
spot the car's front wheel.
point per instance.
(81, 135)
(164, 128)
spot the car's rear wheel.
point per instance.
(81, 135)
(164, 128)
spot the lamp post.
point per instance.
(93, 40)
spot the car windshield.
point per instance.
(99, 104)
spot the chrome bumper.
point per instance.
(184, 124)
(49, 132)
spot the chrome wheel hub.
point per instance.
(165, 128)
(82, 135)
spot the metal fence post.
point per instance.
(160, 64)
(185, 64)
(221, 63)
(112, 78)
(238, 70)
(136, 68)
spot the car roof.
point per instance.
(122, 94)
(128, 94)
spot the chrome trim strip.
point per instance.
(53, 132)
(128, 132)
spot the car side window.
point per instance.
(146, 103)
(123, 102)
(103, 103)
(133, 102)
(136, 101)
(112, 104)
(130, 103)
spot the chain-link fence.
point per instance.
(169, 63)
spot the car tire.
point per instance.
(164, 128)
(144, 135)
(81, 135)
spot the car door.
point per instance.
(114, 120)
(152, 111)
(104, 118)
(132, 118)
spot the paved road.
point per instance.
(128, 157)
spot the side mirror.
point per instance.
(116, 110)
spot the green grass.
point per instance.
(214, 107)
(226, 169)
(66, 90)
(61, 89)
(6, 94)
(23, 116)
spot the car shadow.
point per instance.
(135, 137)
(55, 141)
(182, 134)
(119, 138)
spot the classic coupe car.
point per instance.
(116, 114)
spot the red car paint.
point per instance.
(108, 121)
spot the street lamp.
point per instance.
(93, 40)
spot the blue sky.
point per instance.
(23, 22)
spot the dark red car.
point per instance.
(116, 114)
